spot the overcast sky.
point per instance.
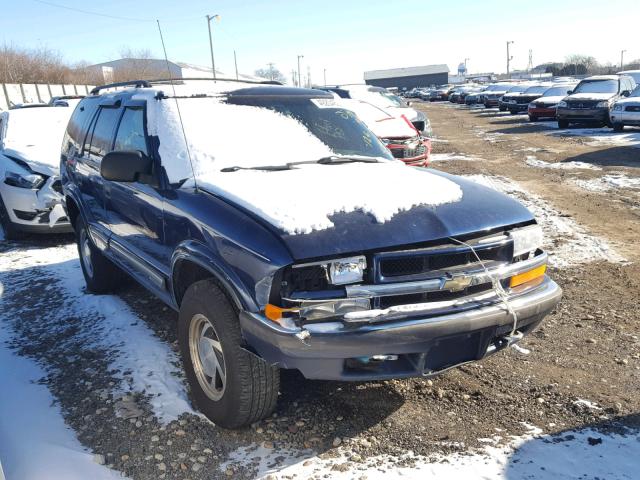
(345, 37)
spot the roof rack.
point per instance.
(257, 82)
(131, 83)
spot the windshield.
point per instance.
(517, 88)
(249, 131)
(597, 86)
(394, 99)
(636, 92)
(499, 87)
(49, 123)
(537, 89)
(558, 91)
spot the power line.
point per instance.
(104, 15)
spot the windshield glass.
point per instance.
(394, 99)
(636, 92)
(517, 88)
(536, 89)
(558, 91)
(597, 86)
(256, 131)
(499, 87)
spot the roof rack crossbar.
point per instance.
(131, 83)
(218, 79)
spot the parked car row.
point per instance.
(604, 100)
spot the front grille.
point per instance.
(408, 152)
(582, 104)
(440, 296)
(418, 264)
(632, 108)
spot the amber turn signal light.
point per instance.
(525, 277)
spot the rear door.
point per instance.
(87, 170)
(134, 210)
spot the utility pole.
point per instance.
(308, 76)
(324, 74)
(530, 64)
(235, 62)
(622, 59)
(509, 57)
(293, 78)
(213, 63)
(270, 71)
(299, 76)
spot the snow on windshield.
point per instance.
(41, 126)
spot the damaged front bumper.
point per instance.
(36, 211)
(415, 343)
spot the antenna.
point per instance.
(530, 65)
(173, 87)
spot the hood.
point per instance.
(628, 101)
(551, 100)
(591, 96)
(397, 209)
(40, 160)
(411, 114)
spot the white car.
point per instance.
(382, 98)
(626, 111)
(30, 189)
(635, 74)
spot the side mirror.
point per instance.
(126, 166)
(625, 93)
(569, 92)
(409, 104)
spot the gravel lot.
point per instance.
(583, 369)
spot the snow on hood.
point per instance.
(379, 121)
(303, 199)
(628, 101)
(591, 96)
(554, 99)
(34, 135)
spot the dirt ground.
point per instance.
(587, 349)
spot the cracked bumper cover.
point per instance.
(325, 352)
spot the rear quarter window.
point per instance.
(103, 131)
(79, 124)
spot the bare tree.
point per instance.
(41, 65)
(271, 73)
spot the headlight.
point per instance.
(347, 270)
(617, 108)
(31, 180)
(562, 104)
(526, 240)
(603, 104)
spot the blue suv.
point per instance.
(287, 237)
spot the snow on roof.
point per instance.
(405, 72)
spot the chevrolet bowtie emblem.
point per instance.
(456, 284)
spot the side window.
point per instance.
(130, 134)
(102, 136)
(78, 123)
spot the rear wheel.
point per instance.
(618, 127)
(533, 118)
(502, 109)
(100, 274)
(11, 230)
(563, 123)
(230, 385)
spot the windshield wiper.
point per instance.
(331, 160)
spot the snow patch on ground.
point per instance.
(146, 364)
(610, 182)
(572, 455)
(602, 136)
(35, 443)
(446, 157)
(535, 162)
(566, 242)
(492, 137)
(354, 187)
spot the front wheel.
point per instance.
(618, 127)
(230, 385)
(100, 274)
(533, 118)
(563, 123)
(11, 231)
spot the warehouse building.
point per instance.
(409, 77)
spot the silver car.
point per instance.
(30, 189)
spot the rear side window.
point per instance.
(103, 130)
(130, 134)
(79, 123)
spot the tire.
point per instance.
(100, 274)
(618, 127)
(533, 118)
(563, 123)
(11, 230)
(243, 388)
(502, 109)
